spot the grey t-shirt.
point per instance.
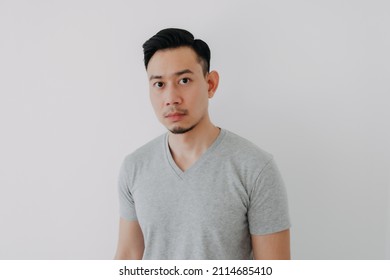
(210, 210)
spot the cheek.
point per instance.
(200, 95)
(200, 104)
(155, 102)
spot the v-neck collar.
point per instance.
(183, 174)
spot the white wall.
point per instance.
(388, 220)
(304, 80)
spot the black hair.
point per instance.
(172, 38)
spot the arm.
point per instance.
(130, 242)
(275, 246)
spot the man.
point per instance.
(198, 191)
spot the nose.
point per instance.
(172, 97)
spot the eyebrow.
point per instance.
(179, 73)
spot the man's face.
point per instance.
(179, 90)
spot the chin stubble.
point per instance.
(181, 130)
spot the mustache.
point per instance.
(175, 110)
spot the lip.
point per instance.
(175, 116)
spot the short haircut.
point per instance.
(172, 38)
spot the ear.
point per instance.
(212, 81)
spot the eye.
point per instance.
(158, 84)
(184, 81)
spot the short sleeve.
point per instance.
(268, 206)
(126, 201)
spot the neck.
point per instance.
(189, 146)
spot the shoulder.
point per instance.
(244, 150)
(139, 161)
(242, 159)
(146, 152)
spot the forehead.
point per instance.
(168, 61)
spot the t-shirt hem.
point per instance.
(130, 219)
(271, 231)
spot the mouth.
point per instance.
(175, 116)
